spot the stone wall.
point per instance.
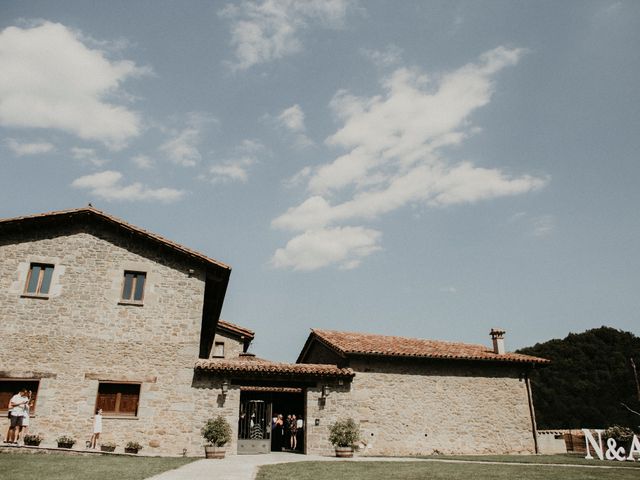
(82, 334)
(233, 347)
(418, 408)
(337, 405)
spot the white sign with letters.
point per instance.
(612, 452)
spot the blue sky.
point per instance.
(429, 169)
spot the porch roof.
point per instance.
(266, 368)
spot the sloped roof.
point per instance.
(247, 364)
(92, 213)
(351, 343)
(236, 329)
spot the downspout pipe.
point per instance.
(532, 412)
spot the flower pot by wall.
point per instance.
(130, 450)
(65, 445)
(107, 448)
(344, 452)
(213, 452)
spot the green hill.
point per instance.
(589, 377)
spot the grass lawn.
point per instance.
(410, 470)
(67, 467)
(572, 459)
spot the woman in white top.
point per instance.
(97, 428)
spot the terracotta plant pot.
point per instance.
(213, 452)
(344, 452)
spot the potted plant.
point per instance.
(217, 432)
(132, 447)
(107, 446)
(65, 441)
(343, 434)
(32, 439)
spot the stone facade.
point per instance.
(82, 334)
(412, 406)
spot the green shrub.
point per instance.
(217, 431)
(66, 440)
(622, 435)
(33, 439)
(344, 433)
(133, 446)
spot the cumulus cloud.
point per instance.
(345, 246)
(87, 155)
(236, 169)
(108, 185)
(51, 79)
(183, 148)
(30, 148)
(143, 162)
(543, 225)
(262, 31)
(231, 170)
(394, 154)
(292, 120)
(390, 56)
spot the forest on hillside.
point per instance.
(589, 379)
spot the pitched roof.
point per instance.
(236, 329)
(350, 343)
(90, 212)
(248, 365)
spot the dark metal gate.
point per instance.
(254, 427)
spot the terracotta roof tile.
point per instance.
(90, 210)
(237, 329)
(267, 368)
(349, 343)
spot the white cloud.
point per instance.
(183, 148)
(270, 29)
(394, 153)
(50, 79)
(108, 185)
(543, 225)
(87, 155)
(33, 148)
(292, 119)
(391, 55)
(231, 170)
(143, 162)
(236, 169)
(313, 249)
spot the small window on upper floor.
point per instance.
(39, 279)
(218, 350)
(133, 287)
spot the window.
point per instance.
(8, 388)
(118, 398)
(218, 350)
(133, 287)
(39, 279)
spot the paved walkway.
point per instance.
(245, 467)
(233, 467)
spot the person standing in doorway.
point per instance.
(16, 410)
(299, 429)
(293, 430)
(97, 428)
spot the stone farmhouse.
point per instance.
(98, 313)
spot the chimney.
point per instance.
(497, 335)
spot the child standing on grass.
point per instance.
(97, 428)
